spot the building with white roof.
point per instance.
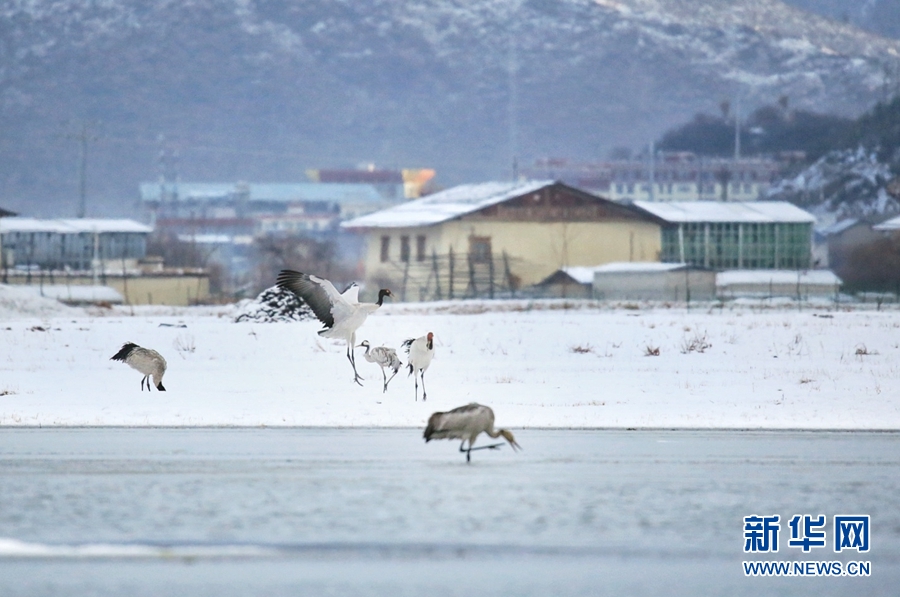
(751, 235)
(476, 239)
(795, 284)
(75, 244)
(93, 260)
(632, 280)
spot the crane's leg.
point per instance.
(470, 449)
(350, 357)
(468, 452)
(142, 383)
(389, 380)
(423, 386)
(491, 447)
(416, 379)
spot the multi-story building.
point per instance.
(233, 208)
(680, 176)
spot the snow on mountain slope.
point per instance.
(842, 184)
(248, 90)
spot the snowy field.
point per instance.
(537, 364)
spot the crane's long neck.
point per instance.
(492, 433)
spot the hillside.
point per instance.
(860, 178)
(878, 16)
(244, 90)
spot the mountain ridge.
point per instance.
(245, 90)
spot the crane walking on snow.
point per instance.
(147, 361)
(466, 423)
(383, 357)
(341, 314)
(420, 351)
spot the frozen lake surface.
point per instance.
(150, 511)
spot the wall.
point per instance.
(534, 250)
(764, 290)
(163, 289)
(658, 286)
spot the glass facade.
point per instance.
(733, 245)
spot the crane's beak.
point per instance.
(512, 440)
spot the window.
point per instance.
(420, 247)
(404, 248)
(480, 249)
(385, 248)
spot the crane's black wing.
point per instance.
(124, 352)
(313, 293)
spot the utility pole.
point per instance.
(513, 107)
(168, 178)
(83, 137)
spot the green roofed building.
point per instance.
(735, 235)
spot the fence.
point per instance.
(454, 276)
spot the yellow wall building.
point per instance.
(489, 238)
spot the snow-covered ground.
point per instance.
(540, 364)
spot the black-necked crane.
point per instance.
(341, 314)
(147, 361)
(467, 423)
(420, 351)
(384, 357)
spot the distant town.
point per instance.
(672, 227)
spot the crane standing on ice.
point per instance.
(466, 423)
(341, 314)
(383, 357)
(147, 361)
(420, 351)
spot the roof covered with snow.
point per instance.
(676, 212)
(837, 227)
(585, 274)
(106, 225)
(72, 226)
(447, 205)
(777, 276)
(638, 267)
(888, 225)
